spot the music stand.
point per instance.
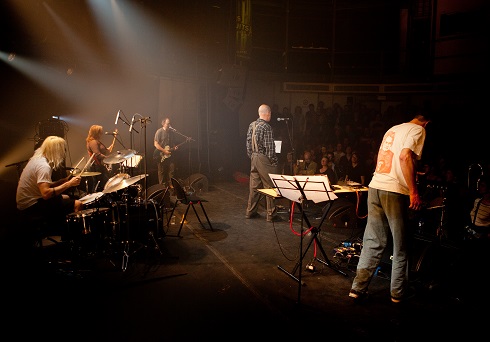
(299, 189)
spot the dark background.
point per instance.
(73, 61)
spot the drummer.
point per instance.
(99, 151)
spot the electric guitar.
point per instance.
(157, 154)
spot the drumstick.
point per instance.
(87, 164)
(79, 163)
(74, 170)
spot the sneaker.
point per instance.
(357, 295)
(409, 293)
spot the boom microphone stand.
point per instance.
(187, 139)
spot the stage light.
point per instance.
(11, 57)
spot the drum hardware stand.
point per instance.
(125, 241)
(151, 235)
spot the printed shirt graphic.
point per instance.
(385, 155)
(388, 174)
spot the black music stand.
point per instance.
(300, 189)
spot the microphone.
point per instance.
(131, 126)
(111, 133)
(117, 117)
(171, 128)
(282, 119)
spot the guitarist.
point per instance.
(163, 150)
(100, 151)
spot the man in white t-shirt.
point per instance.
(392, 190)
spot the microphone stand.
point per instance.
(187, 139)
(128, 124)
(131, 129)
(290, 136)
(144, 122)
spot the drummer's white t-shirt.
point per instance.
(36, 171)
(388, 174)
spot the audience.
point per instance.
(326, 169)
(306, 166)
(355, 170)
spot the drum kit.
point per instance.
(115, 216)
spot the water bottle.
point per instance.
(172, 220)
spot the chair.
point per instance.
(189, 199)
(159, 196)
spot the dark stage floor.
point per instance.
(236, 280)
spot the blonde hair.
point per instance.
(94, 133)
(53, 149)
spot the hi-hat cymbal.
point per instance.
(119, 156)
(91, 197)
(124, 184)
(87, 174)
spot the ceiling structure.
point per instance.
(190, 37)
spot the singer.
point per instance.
(100, 151)
(163, 142)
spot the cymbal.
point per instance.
(91, 197)
(124, 183)
(115, 180)
(87, 174)
(119, 156)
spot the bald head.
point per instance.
(265, 112)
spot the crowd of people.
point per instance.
(344, 142)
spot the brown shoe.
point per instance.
(274, 218)
(252, 215)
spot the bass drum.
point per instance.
(137, 222)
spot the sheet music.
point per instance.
(316, 188)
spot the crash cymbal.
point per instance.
(119, 156)
(115, 180)
(87, 174)
(124, 184)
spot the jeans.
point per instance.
(387, 218)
